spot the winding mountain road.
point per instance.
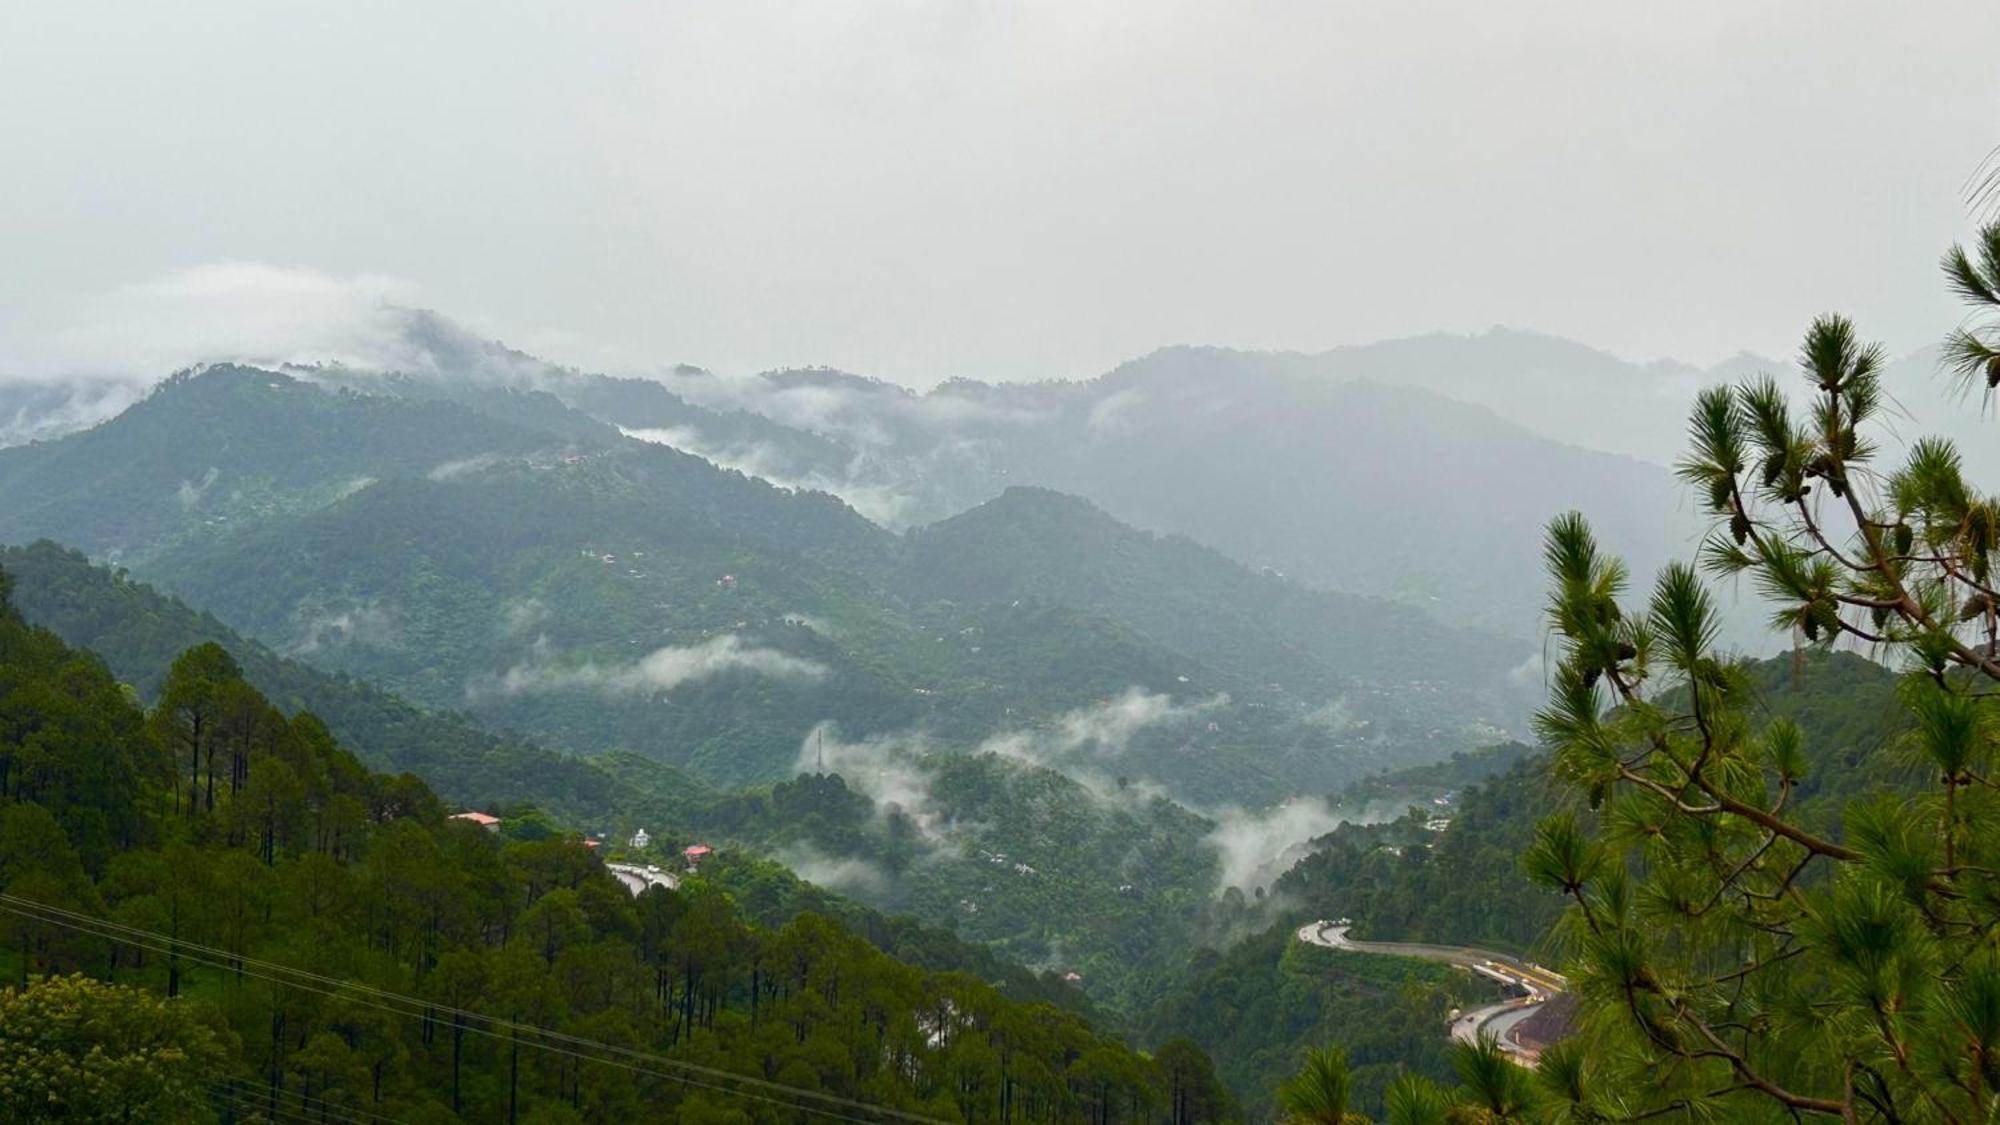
(1499, 1020)
(637, 878)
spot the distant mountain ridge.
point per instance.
(1278, 459)
(1038, 543)
(1342, 470)
(493, 549)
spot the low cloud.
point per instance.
(885, 768)
(808, 621)
(1103, 730)
(661, 670)
(687, 439)
(34, 411)
(90, 355)
(1253, 848)
(1112, 414)
(463, 467)
(221, 312)
(1335, 717)
(190, 493)
(521, 617)
(882, 504)
(890, 771)
(910, 455)
(369, 624)
(1529, 673)
(850, 875)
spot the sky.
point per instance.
(921, 189)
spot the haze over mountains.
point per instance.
(1029, 677)
(1065, 675)
(477, 544)
(1307, 465)
(1227, 578)
(1313, 467)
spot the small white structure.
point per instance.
(640, 839)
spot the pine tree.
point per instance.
(1744, 947)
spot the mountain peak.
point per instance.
(1028, 501)
(831, 377)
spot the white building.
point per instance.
(640, 839)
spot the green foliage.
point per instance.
(1123, 942)
(1462, 885)
(76, 1049)
(1469, 884)
(1416, 785)
(1025, 861)
(1972, 352)
(262, 842)
(1320, 1092)
(139, 632)
(1757, 927)
(770, 895)
(155, 480)
(1253, 1004)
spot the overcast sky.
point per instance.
(923, 189)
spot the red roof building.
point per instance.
(490, 823)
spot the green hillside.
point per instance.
(490, 549)
(1119, 881)
(228, 446)
(233, 846)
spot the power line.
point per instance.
(254, 1101)
(227, 963)
(548, 1039)
(259, 1092)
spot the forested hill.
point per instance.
(1033, 543)
(1463, 884)
(234, 844)
(138, 631)
(155, 474)
(490, 549)
(1117, 878)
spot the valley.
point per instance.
(942, 563)
(1095, 767)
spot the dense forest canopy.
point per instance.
(341, 946)
(1088, 848)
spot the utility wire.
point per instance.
(246, 1101)
(235, 963)
(508, 1031)
(227, 963)
(262, 1093)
